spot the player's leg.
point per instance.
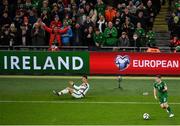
(76, 94)
(64, 91)
(165, 106)
(168, 109)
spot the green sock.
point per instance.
(169, 110)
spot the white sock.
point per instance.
(64, 91)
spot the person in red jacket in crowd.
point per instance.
(56, 22)
(110, 13)
(55, 34)
(175, 41)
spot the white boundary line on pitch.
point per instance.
(80, 102)
(78, 77)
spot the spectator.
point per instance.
(45, 7)
(46, 18)
(89, 41)
(141, 34)
(93, 15)
(38, 35)
(125, 15)
(140, 18)
(151, 12)
(68, 19)
(123, 40)
(26, 23)
(101, 24)
(5, 19)
(24, 35)
(132, 8)
(13, 35)
(177, 49)
(32, 17)
(17, 20)
(81, 17)
(150, 38)
(78, 35)
(175, 27)
(55, 34)
(174, 42)
(99, 38)
(5, 36)
(141, 7)
(56, 22)
(128, 27)
(56, 12)
(117, 25)
(110, 13)
(117, 16)
(111, 34)
(66, 36)
(100, 7)
(139, 30)
(120, 7)
(5, 5)
(88, 23)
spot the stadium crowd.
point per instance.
(92, 23)
(174, 25)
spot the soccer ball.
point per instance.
(146, 116)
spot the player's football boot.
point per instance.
(171, 115)
(55, 92)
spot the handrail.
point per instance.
(69, 48)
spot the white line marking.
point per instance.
(80, 102)
(90, 77)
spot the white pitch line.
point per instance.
(90, 77)
(80, 102)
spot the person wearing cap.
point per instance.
(123, 40)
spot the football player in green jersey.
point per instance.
(161, 87)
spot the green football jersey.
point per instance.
(160, 88)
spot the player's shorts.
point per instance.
(163, 99)
(77, 94)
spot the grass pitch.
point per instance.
(29, 100)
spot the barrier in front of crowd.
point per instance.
(85, 48)
(85, 62)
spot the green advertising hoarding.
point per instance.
(14, 62)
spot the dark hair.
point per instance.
(85, 76)
(158, 76)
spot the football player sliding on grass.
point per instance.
(161, 87)
(74, 90)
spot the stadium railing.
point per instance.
(83, 48)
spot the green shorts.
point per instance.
(163, 99)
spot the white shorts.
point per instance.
(77, 94)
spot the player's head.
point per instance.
(84, 78)
(158, 78)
